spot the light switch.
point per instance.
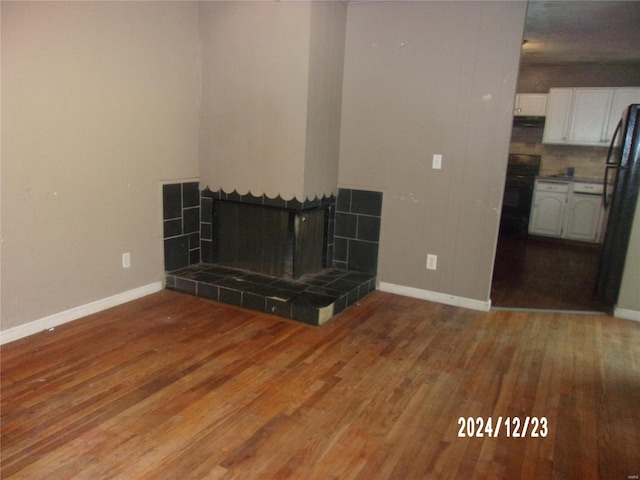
(437, 161)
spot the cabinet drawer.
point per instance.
(552, 187)
(592, 188)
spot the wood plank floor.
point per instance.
(174, 387)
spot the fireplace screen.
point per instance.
(269, 240)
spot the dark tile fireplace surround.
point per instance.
(346, 271)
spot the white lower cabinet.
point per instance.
(583, 217)
(564, 210)
(547, 210)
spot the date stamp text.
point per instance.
(514, 427)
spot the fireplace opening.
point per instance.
(274, 241)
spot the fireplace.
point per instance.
(350, 225)
(275, 241)
(305, 261)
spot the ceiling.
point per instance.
(581, 32)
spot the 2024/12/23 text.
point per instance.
(515, 427)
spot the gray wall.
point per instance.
(254, 92)
(326, 70)
(541, 78)
(272, 91)
(629, 298)
(99, 104)
(423, 78)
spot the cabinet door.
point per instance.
(583, 217)
(531, 104)
(590, 116)
(622, 98)
(558, 112)
(547, 213)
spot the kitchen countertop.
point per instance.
(565, 179)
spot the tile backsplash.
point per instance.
(588, 162)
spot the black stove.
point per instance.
(518, 193)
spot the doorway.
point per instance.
(534, 272)
(544, 273)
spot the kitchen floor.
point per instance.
(541, 273)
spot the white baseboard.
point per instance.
(626, 314)
(436, 297)
(56, 319)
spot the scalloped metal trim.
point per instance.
(293, 204)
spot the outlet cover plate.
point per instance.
(126, 260)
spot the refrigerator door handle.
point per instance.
(605, 193)
(605, 196)
(613, 141)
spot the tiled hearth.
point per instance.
(312, 299)
(352, 233)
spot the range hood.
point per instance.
(528, 122)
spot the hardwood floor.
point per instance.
(541, 273)
(173, 387)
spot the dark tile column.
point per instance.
(357, 230)
(181, 216)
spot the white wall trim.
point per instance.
(626, 314)
(56, 319)
(436, 297)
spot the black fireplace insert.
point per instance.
(279, 242)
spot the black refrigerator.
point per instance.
(621, 186)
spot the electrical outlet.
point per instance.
(437, 161)
(432, 261)
(126, 260)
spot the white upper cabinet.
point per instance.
(590, 116)
(586, 116)
(556, 126)
(622, 98)
(530, 105)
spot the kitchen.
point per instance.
(564, 219)
(565, 113)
